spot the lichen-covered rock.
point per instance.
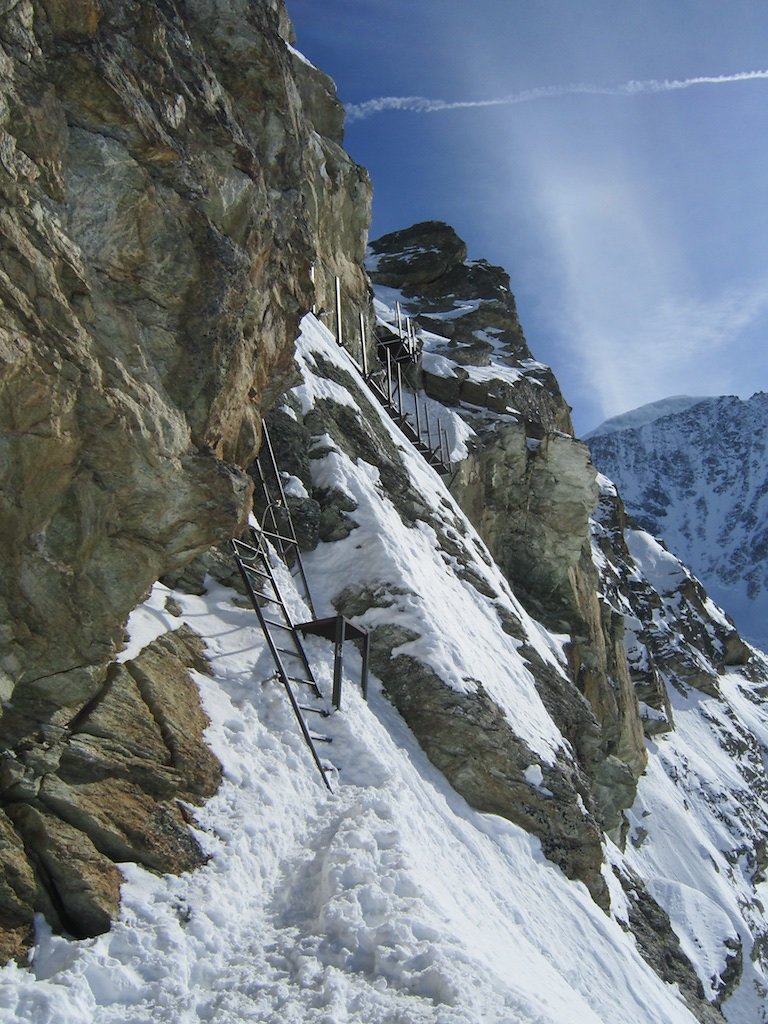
(84, 884)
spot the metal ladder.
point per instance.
(276, 522)
(275, 536)
(283, 639)
(399, 347)
(417, 427)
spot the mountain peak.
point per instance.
(645, 414)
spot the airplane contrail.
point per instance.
(424, 105)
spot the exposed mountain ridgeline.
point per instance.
(694, 471)
(525, 482)
(640, 630)
(553, 807)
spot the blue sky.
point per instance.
(633, 224)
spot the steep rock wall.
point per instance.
(170, 173)
(527, 485)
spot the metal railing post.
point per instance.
(338, 662)
(363, 353)
(339, 331)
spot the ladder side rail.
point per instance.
(284, 679)
(271, 502)
(399, 322)
(287, 625)
(363, 353)
(307, 594)
(339, 326)
(306, 734)
(429, 432)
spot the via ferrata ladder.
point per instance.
(271, 542)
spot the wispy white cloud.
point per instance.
(424, 105)
(633, 319)
(685, 344)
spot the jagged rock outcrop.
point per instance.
(385, 523)
(526, 483)
(700, 646)
(467, 735)
(470, 308)
(170, 175)
(105, 789)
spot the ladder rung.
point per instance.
(303, 682)
(321, 739)
(255, 571)
(278, 536)
(291, 654)
(315, 711)
(280, 625)
(272, 600)
(249, 547)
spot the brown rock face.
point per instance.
(166, 186)
(105, 789)
(165, 194)
(417, 257)
(470, 304)
(170, 174)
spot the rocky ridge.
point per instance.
(694, 474)
(350, 476)
(559, 530)
(526, 483)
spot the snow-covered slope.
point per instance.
(645, 414)
(392, 901)
(696, 475)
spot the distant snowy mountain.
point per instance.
(645, 414)
(693, 471)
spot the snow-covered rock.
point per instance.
(694, 472)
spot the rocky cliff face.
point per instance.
(692, 471)
(636, 632)
(526, 483)
(465, 665)
(170, 175)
